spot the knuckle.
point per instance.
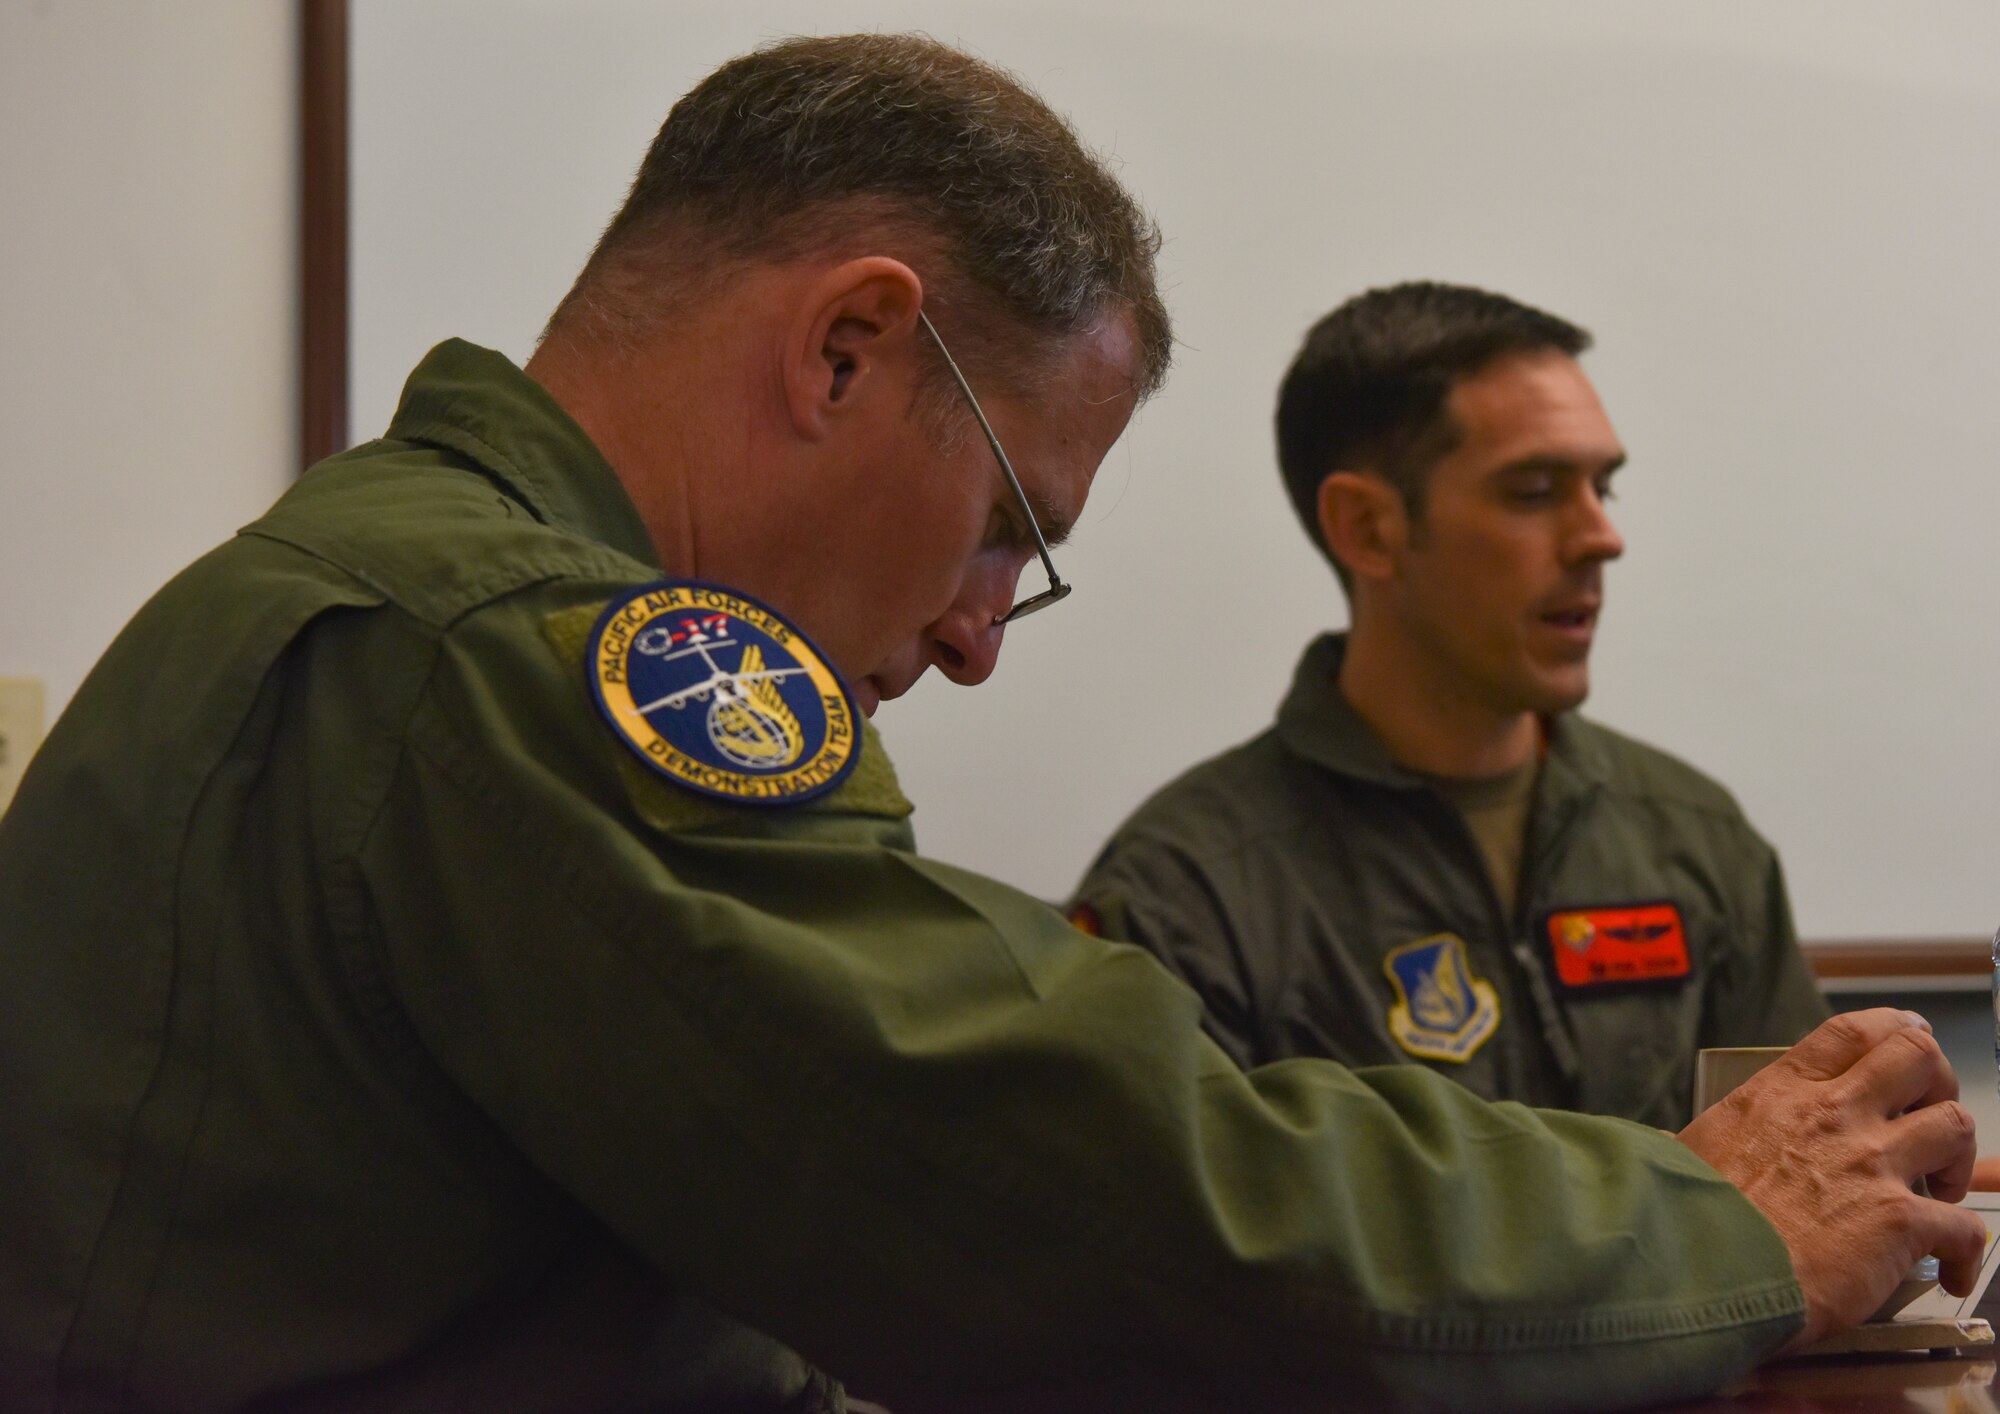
(1823, 1115)
(1904, 1052)
(1739, 1101)
(1922, 1043)
(1906, 1215)
(1953, 1232)
(1956, 1120)
(1875, 1151)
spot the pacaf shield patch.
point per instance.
(1443, 1011)
(719, 694)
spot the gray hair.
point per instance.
(809, 145)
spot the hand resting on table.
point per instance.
(1828, 1140)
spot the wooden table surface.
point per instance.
(1901, 1384)
(1965, 1382)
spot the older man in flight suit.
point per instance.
(519, 989)
(1431, 857)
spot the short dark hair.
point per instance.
(793, 149)
(1368, 389)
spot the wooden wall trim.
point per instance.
(323, 217)
(1843, 959)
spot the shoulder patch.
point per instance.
(1102, 915)
(711, 691)
(717, 693)
(1442, 1011)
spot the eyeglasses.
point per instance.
(1034, 603)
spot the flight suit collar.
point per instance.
(475, 402)
(1319, 724)
(1316, 722)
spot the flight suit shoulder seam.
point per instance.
(1726, 813)
(578, 560)
(1638, 770)
(359, 954)
(1232, 851)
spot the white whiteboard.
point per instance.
(1780, 219)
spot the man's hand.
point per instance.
(1827, 1141)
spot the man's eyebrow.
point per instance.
(1055, 529)
(1049, 520)
(1553, 463)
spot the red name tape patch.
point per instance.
(1598, 947)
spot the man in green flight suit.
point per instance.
(464, 950)
(1431, 857)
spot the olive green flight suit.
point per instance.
(377, 1035)
(1278, 878)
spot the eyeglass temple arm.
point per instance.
(999, 453)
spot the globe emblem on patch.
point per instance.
(749, 722)
(719, 694)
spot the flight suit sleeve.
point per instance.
(1155, 896)
(1764, 994)
(913, 1124)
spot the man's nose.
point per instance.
(965, 639)
(965, 643)
(1594, 537)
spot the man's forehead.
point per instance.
(1533, 404)
(1057, 463)
(1070, 420)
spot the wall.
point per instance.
(1771, 215)
(147, 293)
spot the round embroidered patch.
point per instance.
(719, 694)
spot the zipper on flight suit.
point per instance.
(1516, 944)
(1538, 846)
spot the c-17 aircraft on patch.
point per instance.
(749, 720)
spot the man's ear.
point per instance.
(855, 323)
(1363, 522)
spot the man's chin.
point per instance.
(1559, 692)
(867, 695)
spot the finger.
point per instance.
(1986, 1175)
(1935, 1143)
(1842, 1040)
(1957, 1238)
(1906, 1070)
